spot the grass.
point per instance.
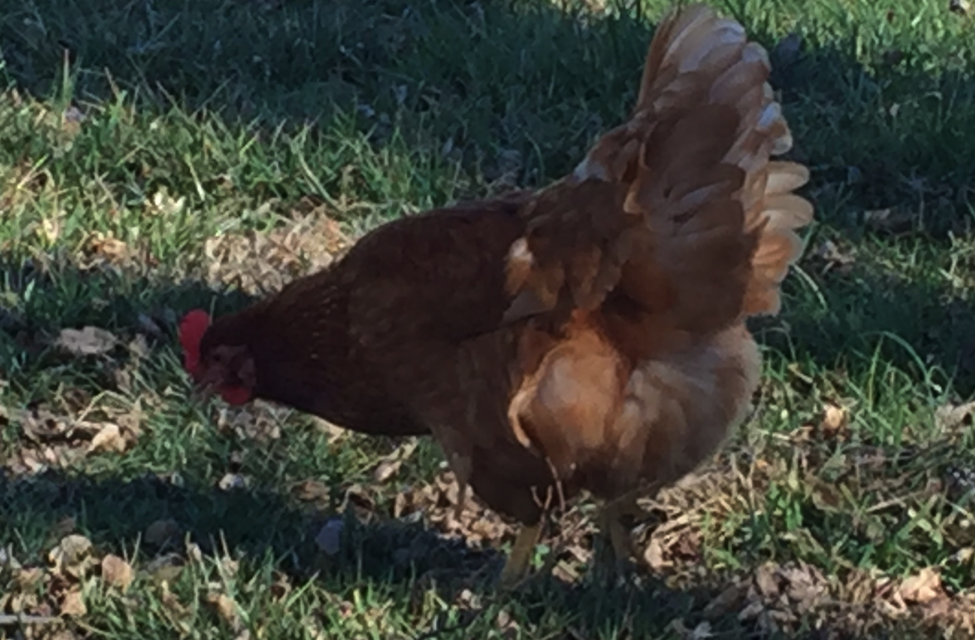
(155, 155)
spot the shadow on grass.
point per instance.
(484, 82)
(391, 558)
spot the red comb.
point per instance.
(191, 329)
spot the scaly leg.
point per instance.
(619, 535)
(619, 550)
(520, 557)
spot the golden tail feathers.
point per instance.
(681, 209)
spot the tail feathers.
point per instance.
(681, 209)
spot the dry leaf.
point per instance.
(653, 555)
(281, 586)
(390, 465)
(232, 481)
(72, 556)
(117, 572)
(108, 438)
(87, 341)
(834, 258)
(28, 579)
(263, 262)
(835, 421)
(193, 552)
(173, 610)
(311, 491)
(72, 604)
(225, 607)
(922, 588)
(164, 204)
(229, 566)
(108, 247)
(950, 417)
(51, 229)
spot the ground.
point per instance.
(159, 156)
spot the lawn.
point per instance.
(156, 156)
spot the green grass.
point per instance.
(134, 133)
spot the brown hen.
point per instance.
(586, 337)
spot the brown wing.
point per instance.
(680, 210)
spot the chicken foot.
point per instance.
(516, 566)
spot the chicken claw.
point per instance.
(518, 560)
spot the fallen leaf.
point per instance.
(950, 417)
(71, 556)
(281, 586)
(51, 229)
(86, 341)
(834, 257)
(229, 566)
(173, 609)
(165, 204)
(835, 420)
(108, 248)
(232, 481)
(194, 553)
(390, 465)
(42, 426)
(263, 262)
(653, 555)
(922, 588)
(108, 438)
(311, 491)
(225, 607)
(766, 580)
(117, 572)
(72, 603)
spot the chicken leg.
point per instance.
(619, 550)
(520, 557)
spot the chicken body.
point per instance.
(587, 337)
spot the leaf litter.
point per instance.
(262, 263)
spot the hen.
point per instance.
(589, 336)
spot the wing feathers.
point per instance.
(681, 209)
